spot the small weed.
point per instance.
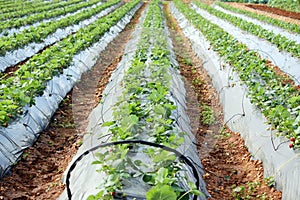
(248, 192)
(223, 133)
(79, 143)
(187, 61)
(178, 38)
(207, 115)
(67, 125)
(25, 155)
(269, 181)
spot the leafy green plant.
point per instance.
(207, 115)
(247, 192)
(161, 192)
(281, 42)
(16, 23)
(276, 22)
(292, 5)
(144, 112)
(270, 181)
(272, 93)
(37, 34)
(30, 79)
(32, 9)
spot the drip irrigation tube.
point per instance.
(177, 153)
(85, 177)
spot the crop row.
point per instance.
(44, 15)
(16, 5)
(276, 22)
(10, 6)
(37, 34)
(143, 111)
(247, 1)
(281, 42)
(273, 94)
(30, 79)
(32, 10)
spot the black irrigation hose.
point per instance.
(177, 153)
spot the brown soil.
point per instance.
(38, 174)
(9, 71)
(267, 13)
(277, 11)
(227, 163)
(224, 156)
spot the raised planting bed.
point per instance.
(52, 87)
(276, 22)
(282, 42)
(18, 47)
(140, 132)
(284, 61)
(240, 109)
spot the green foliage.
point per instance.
(276, 22)
(248, 192)
(161, 192)
(37, 34)
(292, 5)
(281, 42)
(30, 79)
(46, 7)
(207, 115)
(32, 18)
(277, 99)
(270, 181)
(144, 111)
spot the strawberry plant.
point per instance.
(143, 111)
(32, 9)
(45, 15)
(281, 42)
(276, 22)
(30, 79)
(272, 93)
(37, 34)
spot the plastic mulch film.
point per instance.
(285, 61)
(16, 56)
(243, 117)
(11, 31)
(84, 178)
(269, 27)
(23, 132)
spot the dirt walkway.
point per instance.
(226, 161)
(38, 174)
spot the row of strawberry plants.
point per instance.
(32, 10)
(37, 34)
(11, 7)
(281, 42)
(31, 78)
(45, 15)
(279, 101)
(144, 112)
(276, 22)
(7, 6)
